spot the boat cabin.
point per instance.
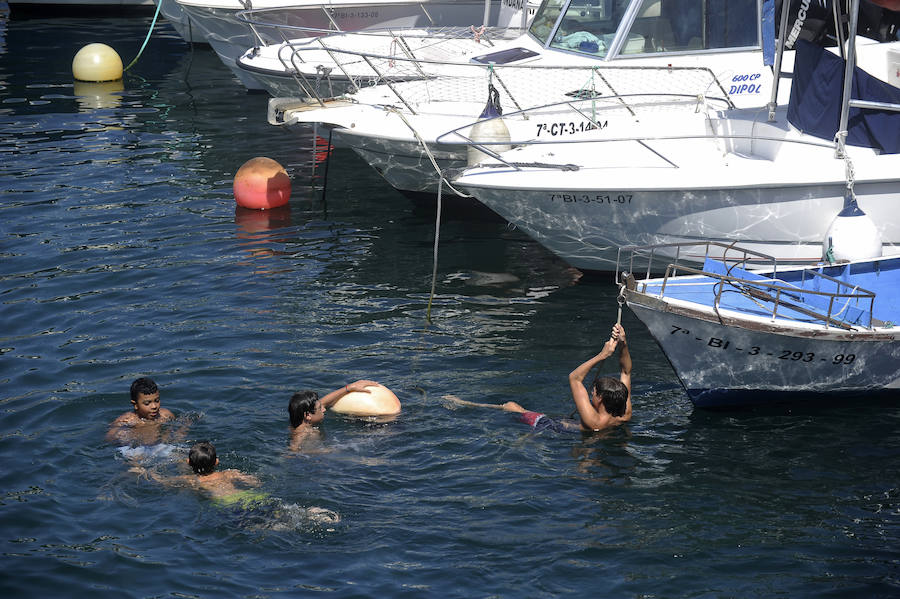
(622, 28)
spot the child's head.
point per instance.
(145, 398)
(202, 458)
(612, 394)
(305, 406)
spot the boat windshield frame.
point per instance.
(622, 44)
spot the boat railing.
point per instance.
(276, 25)
(416, 67)
(840, 305)
(596, 113)
(284, 24)
(660, 257)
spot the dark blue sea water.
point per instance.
(122, 255)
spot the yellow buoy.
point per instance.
(97, 62)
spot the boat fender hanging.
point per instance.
(490, 128)
(852, 235)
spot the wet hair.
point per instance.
(143, 386)
(614, 394)
(301, 404)
(202, 458)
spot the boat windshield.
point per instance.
(590, 26)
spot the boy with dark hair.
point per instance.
(256, 509)
(218, 484)
(608, 405)
(306, 411)
(142, 423)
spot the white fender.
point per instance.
(488, 130)
(851, 236)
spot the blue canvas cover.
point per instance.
(816, 93)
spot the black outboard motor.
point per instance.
(813, 21)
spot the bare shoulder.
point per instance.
(126, 419)
(232, 475)
(165, 414)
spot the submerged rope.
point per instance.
(437, 236)
(146, 39)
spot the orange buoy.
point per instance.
(377, 400)
(261, 183)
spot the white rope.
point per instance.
(428, 153)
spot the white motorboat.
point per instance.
(691, 48)
(332, 65)
(772, 179)
(269, 21)
(736, 336)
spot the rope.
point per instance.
(393, 50)
(621, 301)
(429, 154)
(437, 236)
(146, 39)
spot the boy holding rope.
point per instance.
(607, 406)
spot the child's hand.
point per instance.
(618, 333)
(609, 347)
(360, 385)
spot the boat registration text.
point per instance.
(779, 353)
(591, 198)
(568, 127)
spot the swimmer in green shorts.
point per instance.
(222, 487)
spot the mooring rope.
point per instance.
(437, 237)
(146, 39)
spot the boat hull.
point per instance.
(728, 363)
(586, 226)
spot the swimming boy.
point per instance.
(609, 404)
(218, 484)
(142, 423)
(256, 508)
(307, 411)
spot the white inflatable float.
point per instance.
(377, 400)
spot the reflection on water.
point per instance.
(91, 95)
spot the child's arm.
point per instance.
(169, 481)
(335, 395)
(589, 416)
(624, 366)
(118, 430)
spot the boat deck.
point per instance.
(830, 296)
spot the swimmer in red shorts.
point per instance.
(608, 405)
